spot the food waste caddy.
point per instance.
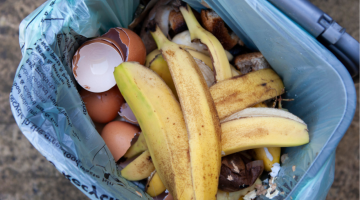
(49, 111)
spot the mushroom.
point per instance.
(238, 172)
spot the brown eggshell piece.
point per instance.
(117, 136)
(114, 43)
(137, 50)
(130, 43)
(113, 34)
(103, 107)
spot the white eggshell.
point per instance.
(94, 65)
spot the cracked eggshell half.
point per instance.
(129, 42)
(117, 136)
(94, 62)
(102, 107)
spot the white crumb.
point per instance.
(275, 169)
(274, 194)
(272, 191)
(250, 195)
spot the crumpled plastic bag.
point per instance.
(49, 111)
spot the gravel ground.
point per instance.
(26, 174)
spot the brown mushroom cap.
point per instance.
(238, 172)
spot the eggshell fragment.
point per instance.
(130, 43)
(114, 34)
(117, 136)
(164, 196)
(102, 107)
(127, 113)
(94, 62)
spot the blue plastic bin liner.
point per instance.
(50, 113)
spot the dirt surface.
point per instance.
(26, 174)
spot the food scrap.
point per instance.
(275, 170)
(150, 119)
(238, 172)
(260, 190)
(250, 195)
(272, 191)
